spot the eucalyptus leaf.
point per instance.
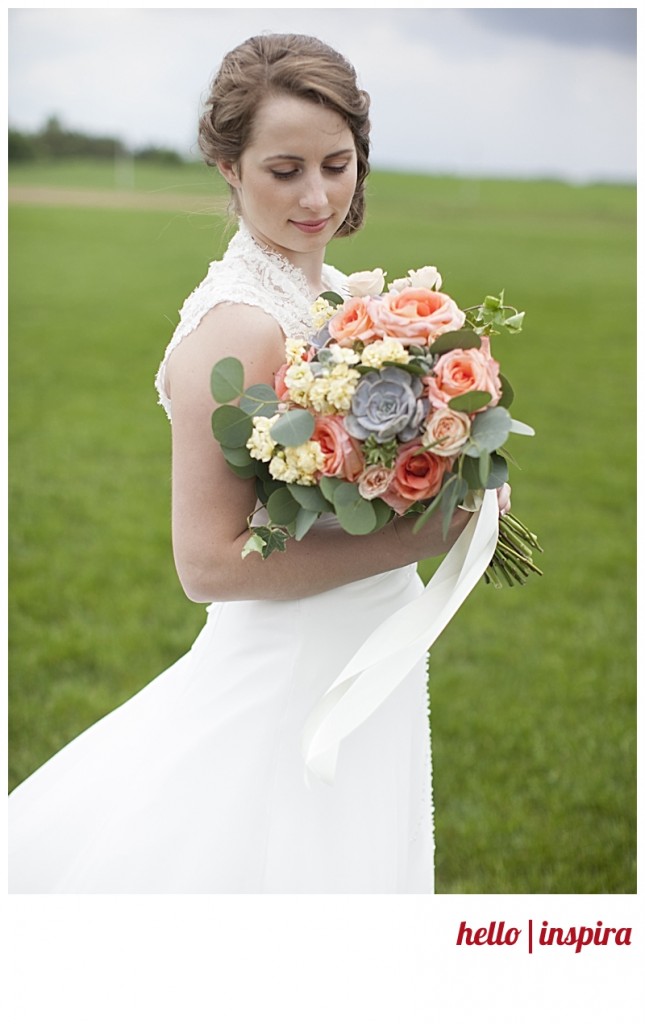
(310, 498)
(469, 470)
(355, 513)
(227, 379)
(333, 298)
(463, 338)
(383, 513)
(231, 426)
(282, 507)
(305, 519)
(489, 430)
(471, 401)
(507, 392)
(259, 400)
(484, 467)
(238, 457)
(328, 486)
(498, 474)
(452, 495)
(517, 427)
(293, 428)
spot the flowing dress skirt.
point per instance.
(197, 783)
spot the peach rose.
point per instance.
(279, 386)
(416, 314)
(374, 481)
(446, 431)
(342, 453)
(417, 476)
(463, 370)
(352, 322)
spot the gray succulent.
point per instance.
(387, 403)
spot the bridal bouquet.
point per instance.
(394, 406)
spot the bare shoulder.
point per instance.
(229, 329)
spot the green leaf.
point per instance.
(471, 401)
(310, 498)
(355, 513)
(305, 519)
(498, 474)
(463, 338)
(238, 456)
(328, 486)
(282, 507)
(293, 428)
(453, 493)
(333, 298)
(469, 470)
(259, 400)
(517, 427)
(514, 323)
(227, 379)
(382, 512)
(484, 467)
(489, 430)
(507, 392)
(255, 544)
(231, 426)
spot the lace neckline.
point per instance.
(244, 240)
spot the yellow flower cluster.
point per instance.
(389, 350)
(321, 312)
(294, 350)
(329, 393)
(260, 444)
(298, 465)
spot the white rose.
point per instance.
(426, 277)
(366, 282)
(399, 284)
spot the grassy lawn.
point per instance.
(533, 690)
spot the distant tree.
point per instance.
(21, 146)
(54, 142)
(159, 155)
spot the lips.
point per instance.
(311, 227)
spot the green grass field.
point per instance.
(533, 689)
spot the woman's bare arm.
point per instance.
(210, 505)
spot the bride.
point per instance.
(196, 784)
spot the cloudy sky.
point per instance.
(475, 91)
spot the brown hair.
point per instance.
(299, 66)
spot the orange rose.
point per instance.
(343, 455)
(464, 370)
(417, 476)
(416, 315)
(352, 322)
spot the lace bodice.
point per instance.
(254, 275)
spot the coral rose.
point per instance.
(463, 370)
(352, 322)
(342, 454)
(415, 315)
(418, 475)
(279, 386)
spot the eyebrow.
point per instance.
(301, 160)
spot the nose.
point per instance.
(314, 195)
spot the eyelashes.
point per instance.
(287, 175)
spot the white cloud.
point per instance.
(451, 91)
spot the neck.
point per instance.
(309, 263)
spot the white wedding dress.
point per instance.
(197, 784)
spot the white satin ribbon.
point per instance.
(395, 647)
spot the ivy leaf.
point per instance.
(227, 379)
(231, 426)
(255, 544)
(293, 428)
(259, 400)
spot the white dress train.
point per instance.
(197, 783)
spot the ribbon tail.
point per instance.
(394, 648)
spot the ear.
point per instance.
(229, 172)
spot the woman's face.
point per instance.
(297, 177)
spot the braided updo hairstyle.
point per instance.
(295, 65)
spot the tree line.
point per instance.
(54, 141)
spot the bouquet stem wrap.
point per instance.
(391, 651)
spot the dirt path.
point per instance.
(43, 196)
